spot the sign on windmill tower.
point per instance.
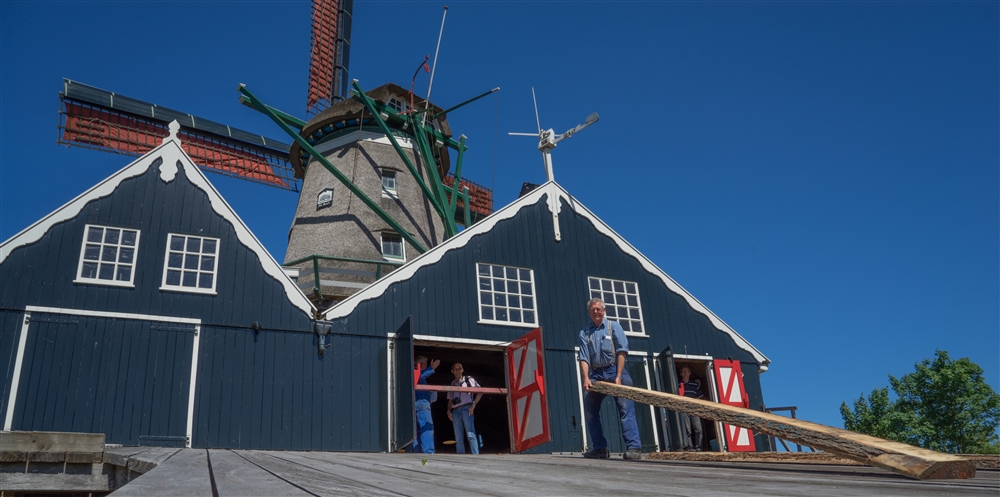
(547, 140)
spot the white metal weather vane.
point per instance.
(547, 139)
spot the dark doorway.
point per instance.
(701, 371)
(484, 364)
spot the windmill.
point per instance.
(371, 169)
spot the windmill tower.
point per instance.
(371, 168)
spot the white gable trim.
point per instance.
(555, 191)
(171, 153)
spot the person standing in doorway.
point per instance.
(425, 422)
(603, 348)
(693, 431)
(461, 407)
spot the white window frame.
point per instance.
(390, 192)
(397, 104)
(484, 281)
(101, 246)
(624, 292)
(402, 246)
(197, 271)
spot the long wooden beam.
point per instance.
(897, 457)
(449, 388)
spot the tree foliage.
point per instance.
(944, 405)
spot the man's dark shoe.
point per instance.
(597, 454)
(632, 454)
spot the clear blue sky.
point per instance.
(822, 175)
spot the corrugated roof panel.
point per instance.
(212, 127)
(132, 106)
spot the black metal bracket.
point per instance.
(322, 328)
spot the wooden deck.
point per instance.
(194, 472)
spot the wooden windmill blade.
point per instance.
(329, 55)
(98, 119)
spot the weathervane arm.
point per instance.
(469, 101)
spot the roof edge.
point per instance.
(169, 150)
(555, 191)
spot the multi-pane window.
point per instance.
(621, 301)
(397, 105)
(392, 246)
(389, 183)
(108, 256)
(507, 294)
(192, 263)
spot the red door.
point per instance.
(529, 413)
(729, 378)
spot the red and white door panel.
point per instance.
(729, 381)
(529, 413)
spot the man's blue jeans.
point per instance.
(465, 430)
(425, 428)
(626, 411)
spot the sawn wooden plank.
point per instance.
(901, 458)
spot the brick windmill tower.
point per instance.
(371, 169)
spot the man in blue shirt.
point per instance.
(603, 348)
(425, 423)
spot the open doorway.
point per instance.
(486, 365)
(701, 372)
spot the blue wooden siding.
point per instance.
(272, 390)
(122, 377)
(10, 333)
(443, 301)
(44, 271)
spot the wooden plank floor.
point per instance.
(247, 472)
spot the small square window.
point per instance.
(397, 105)
(388, 183)
(107, 256)
(621, 300)
(392, 247)
(191, 264)
(506, 295)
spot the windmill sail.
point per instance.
(330, 53)
(94, 118)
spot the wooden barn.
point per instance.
(477, 298)
(146, 310)
(115, 306)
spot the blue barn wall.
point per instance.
(91, 368)
(46, 269)
(125, 378)
(442, 298)
(273, 390)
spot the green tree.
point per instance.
(944, 405)
(874, 416)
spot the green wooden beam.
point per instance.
(287, 118)
(458, 175)
(425, 149)
(256, 104)
(432, 195)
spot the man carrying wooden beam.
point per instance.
(603, 348)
